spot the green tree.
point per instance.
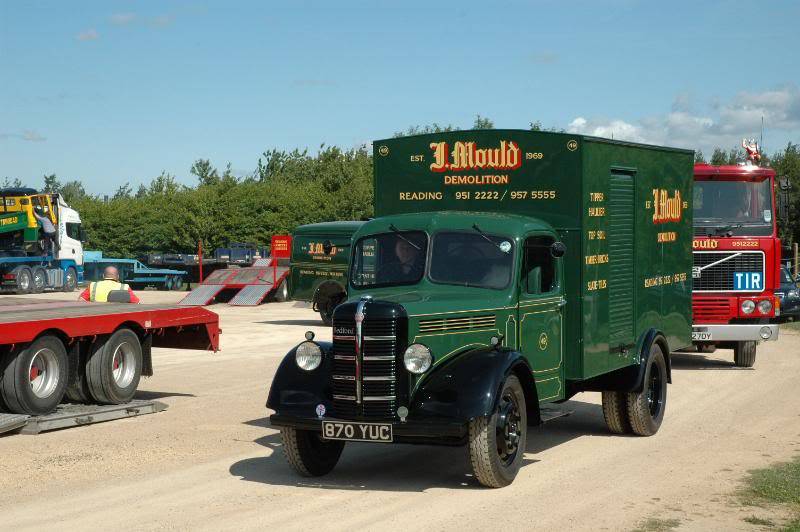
(205, 172)
(51, 183)
(11, 183)
(72, 191)
(699, 158)
(481, 122)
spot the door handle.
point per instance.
(562, 303)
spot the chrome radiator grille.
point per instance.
(716, 269)
(365, 385)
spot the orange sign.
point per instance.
(466, 156)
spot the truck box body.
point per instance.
(623, 211)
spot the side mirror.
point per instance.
(783, 205)
(784, 183)
(558, 249)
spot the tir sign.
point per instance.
(748, 281)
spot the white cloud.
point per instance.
(88, 35)
(161, 21)
(122, 19)
(724, 125)
(26, 134)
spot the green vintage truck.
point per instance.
(504, 270)
(318, 267)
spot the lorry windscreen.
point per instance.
(743, 208)
(389, 259)
(471, 259)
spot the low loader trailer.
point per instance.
(505, 270)
(88, 353)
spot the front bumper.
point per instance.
(734, 333)
(427, 432)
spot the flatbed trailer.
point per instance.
(88, 352)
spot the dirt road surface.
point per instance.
(211, 461)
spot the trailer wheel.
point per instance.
(615, 412)
(114, 367)
(39, 280)
(309, 454)
(744, 354)
(646, 408)
(177, 283)
(70, 280)
(24, 280)
(34, 378)
(497, 442)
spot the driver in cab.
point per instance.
(407, 264)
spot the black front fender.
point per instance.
(468, 386)
(295, 391)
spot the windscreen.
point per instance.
(742, 208)
(471, 259)
(389, 259)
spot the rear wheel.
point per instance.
(309, 454)
(114, 367)
(282, 293)
(24, 280)
(615, 412)
(39, 280)
(70, 280)
(744, 354)
(177, 283)
(497, 442)
(34, 378)
(646, 408)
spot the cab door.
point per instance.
(540, 315)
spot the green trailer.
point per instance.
(504, 270)
(318, 266)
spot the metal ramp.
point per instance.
(9, 422)
(69, 415)
(263, 263)
(202, 295)
(250, 295)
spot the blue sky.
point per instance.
(114, 92)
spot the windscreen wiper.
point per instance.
(725, 228)
(400, 234)
(484, 235)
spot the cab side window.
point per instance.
(74, 230)
(539, 274)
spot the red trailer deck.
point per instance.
(88, 352)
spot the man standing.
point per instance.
(48, 229)
(98, 291)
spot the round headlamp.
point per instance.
(748, 306)
(765, 333)
(765, 306)
(417, 359)
(308, 356)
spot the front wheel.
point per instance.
(744, 354)
(308, 453)
(39, 280)
(646, 408)
(70, 280)
(497, 442)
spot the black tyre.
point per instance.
(39, 280)
(497, 442)
(34, 378)
(744, 354)
(114, 367)
(177, 283)
(282, 292)
(646, 408)
(24, 280)
(70, 280)
(77, 387)
(615, 412)
(309, 454)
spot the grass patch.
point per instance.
(658, 525)
(778, 484)
(791, 325)
(753, 520)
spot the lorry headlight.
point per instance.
(308, 356)
(765, 306)
(748, 306)
(417, 359)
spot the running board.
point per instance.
(76, 415)
(551, 412)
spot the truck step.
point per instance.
(551, 412)
(75, 415)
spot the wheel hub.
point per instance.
(508, 428)
(123, 365)
(43, 373)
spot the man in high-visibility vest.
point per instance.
(98, 291)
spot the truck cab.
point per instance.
(736, 254)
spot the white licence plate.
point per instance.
(701, 336)
(351, 431)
